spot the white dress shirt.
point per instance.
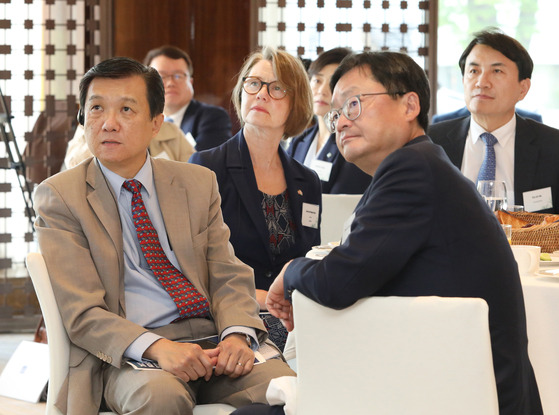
(474, 152)
(177, 117)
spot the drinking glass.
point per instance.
(494, 193)
(508, 232)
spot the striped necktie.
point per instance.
(187, 298)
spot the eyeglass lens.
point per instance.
(351, 110)
(254, 85)
(175, 76)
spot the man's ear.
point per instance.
(524, 88)
(413, 107)
(157, 122)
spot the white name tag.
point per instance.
(539, 199)
(309, 216)
(322, 168)
(347, 227)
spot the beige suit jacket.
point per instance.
(80, 236)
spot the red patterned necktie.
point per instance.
(187, 298)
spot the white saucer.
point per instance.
(553, 263)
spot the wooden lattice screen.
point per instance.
(45, 45)
(306, 28)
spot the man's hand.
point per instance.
(186, 360)
(235, 358)
(261, 298)
(277, 305)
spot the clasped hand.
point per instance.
(277, 304)
(188, 361)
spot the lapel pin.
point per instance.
(300, 192)
(329, 155)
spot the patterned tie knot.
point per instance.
(133, 186)
(489, 139)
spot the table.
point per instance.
(541, 298)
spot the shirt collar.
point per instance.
(144, 176)
(178, 116)
(503, 134)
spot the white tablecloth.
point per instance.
(541, 297)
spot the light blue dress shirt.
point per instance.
(147, 302)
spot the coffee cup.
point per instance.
(528, 259)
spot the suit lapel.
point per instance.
(456, 141)
(173, 201)
(330, 150)
(239, 167)
(526, 151)
(103, 203)
(303, 147)
(298, 190)
(187, 123)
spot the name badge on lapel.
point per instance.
(539, 199)
(322, 168)
(309, 217)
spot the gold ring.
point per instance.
(240, 364)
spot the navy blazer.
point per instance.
(464, 112)
(536, 154)
(209, 125)
(345, 177)
(241, 203)
(422, 229)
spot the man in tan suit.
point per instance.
(111, 304)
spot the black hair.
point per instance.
(397, 72)
(508, 46)
(120, 67)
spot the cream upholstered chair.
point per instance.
(336, 209)
(394, 356)
(59, 343)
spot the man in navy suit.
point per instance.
(496, 72)
(206, 126)
(421, 228)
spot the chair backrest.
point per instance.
(59, 343)
(393, 356)
(336, 209)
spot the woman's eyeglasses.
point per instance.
(253, 85)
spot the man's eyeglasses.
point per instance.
(177, 77)
(253, 85)
(351, 109)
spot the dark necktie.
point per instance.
(187, 298)
(487, 169)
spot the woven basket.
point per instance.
(545, 236)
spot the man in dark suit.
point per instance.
(207, 126)
(496, 73)
(420, 229)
